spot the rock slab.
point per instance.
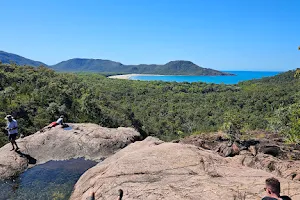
(152, 169)
(79, 140)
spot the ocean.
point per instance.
(240, 76)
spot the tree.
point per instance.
(293, 135)
(297, 73)
(286, 121)
(9, 93)
(53, 110)
(232, 125)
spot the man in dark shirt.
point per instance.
(273, 190)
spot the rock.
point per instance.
(235, 149)
(82, 140)
(152, 169)
(244, 152)
(270, 149)
(253, 150)
(271, 144)
(269, 163)
(206, 141)
(297, 177)
(248, 143)
(228, 151)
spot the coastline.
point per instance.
(239, 77)
(129, 76)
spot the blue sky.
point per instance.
(225, 35)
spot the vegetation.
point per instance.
(19, 60)
(169, 110)
(107, 66)
(297, 73)
(111, 67)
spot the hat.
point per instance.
(61, 116)
(8, 117)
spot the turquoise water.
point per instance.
(52, 180)
(240, 76)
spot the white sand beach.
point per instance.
(129, 76)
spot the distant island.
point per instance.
(106, 66)
(179, 67)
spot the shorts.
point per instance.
(53, 124)
(12, 136)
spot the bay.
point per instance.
(240, 76)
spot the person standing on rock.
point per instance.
(273, 190)
(12, 128)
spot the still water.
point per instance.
(52, 180)
(240, 76)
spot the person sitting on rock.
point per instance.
(273, 190)
(12, 128)
(60, 120)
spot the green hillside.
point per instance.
(107, 66)
(111, 67)
(37, 96)
(19, 60)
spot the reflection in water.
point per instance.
(52, 180)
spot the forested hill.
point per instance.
(107, 66)
(19, 60)
(169, 110)
(111, 67)
(286, 77)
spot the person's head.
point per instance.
(9, 118)
(61, 116)
(272, 186)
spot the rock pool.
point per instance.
(52, 180)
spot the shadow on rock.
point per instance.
(30, 159)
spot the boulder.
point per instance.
(152, 170)
(253, 150)
(207, 141)
(235, 149)
(270, 149)
(79, 140)
(287, 169)
(297, 177)
(228, 150)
